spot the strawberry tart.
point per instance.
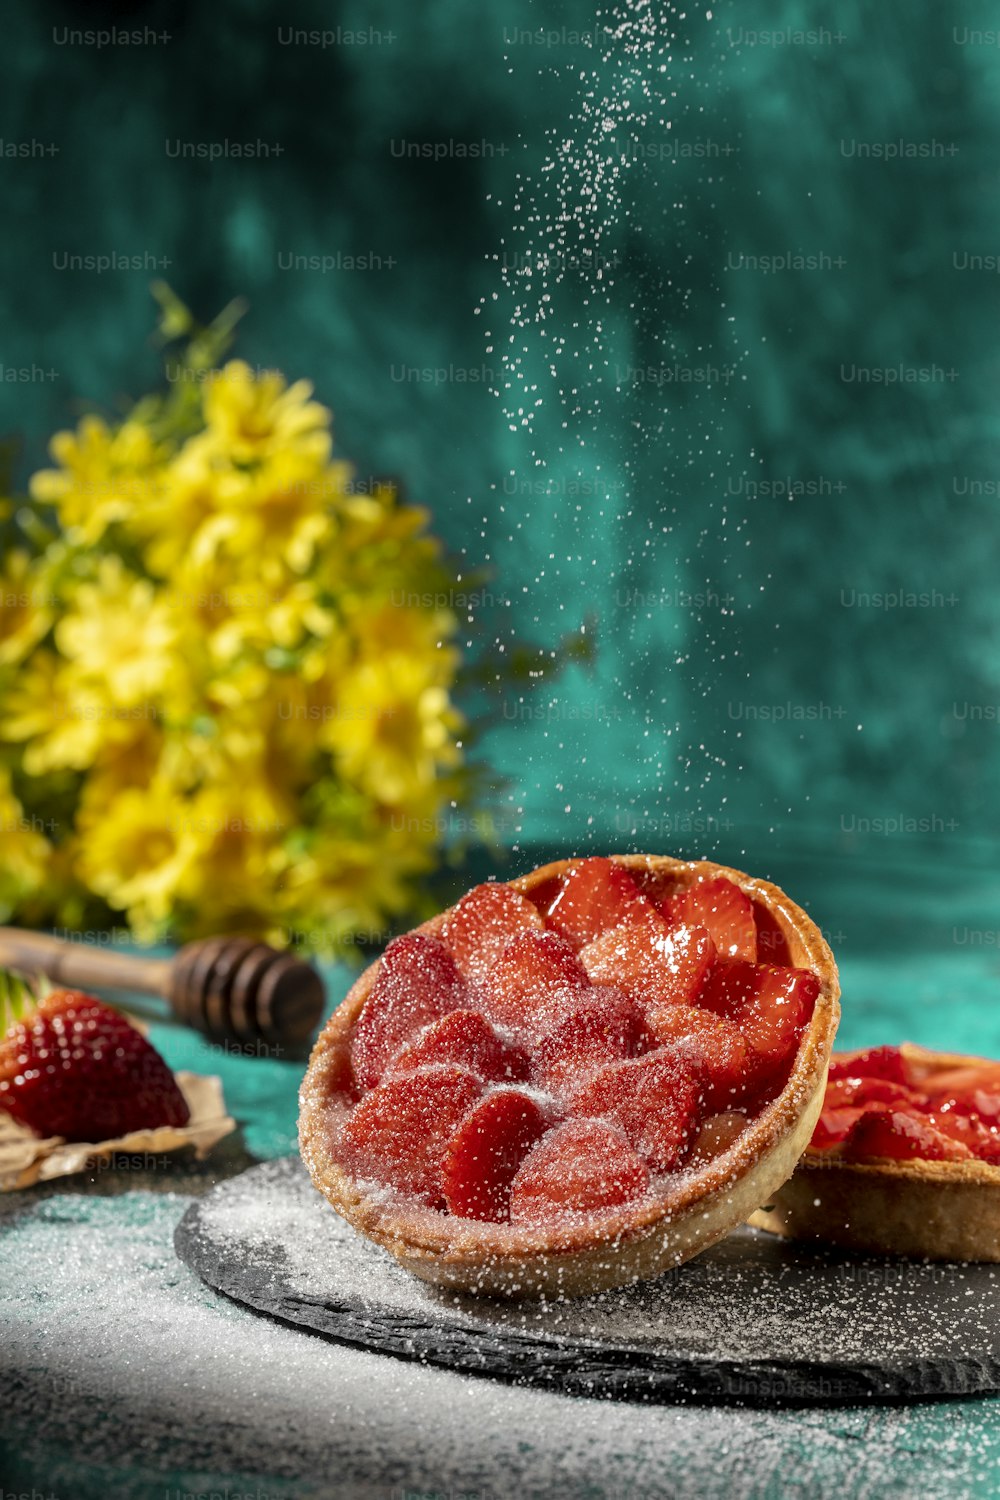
(577, 1079)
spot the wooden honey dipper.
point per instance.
(234, 989)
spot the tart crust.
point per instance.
(634, 1241)
(932, 1210)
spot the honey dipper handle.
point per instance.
(78, 965)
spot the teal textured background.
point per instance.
(782, 713)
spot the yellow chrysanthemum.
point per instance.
(212, 857)
(24, 849)
(56, 898)
(121, 636)
(138, 851)
(194, 487)
(103, 476)
(274, 517)
(26, 607)
(63, 726)
(394, 727)
(249, 676)
(237, 612)
(341, 886)
(394, 628)
(378, 549)
(242, 859)
(255, 417)
(118, 675)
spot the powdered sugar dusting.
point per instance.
(746, 1299)
(150, 1369)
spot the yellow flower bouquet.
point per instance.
(227, 671)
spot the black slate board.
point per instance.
(753, 1321)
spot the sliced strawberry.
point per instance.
(723, 910)
(900, 1137)
(397, 1135)
(970, 1131)
(486, 1150)
(772, 945)
(987, 1105)
(986, 1144)
(878, 1062)
(980, 1103)
(961, 1081)
(604, 1026)
(467, 1038)
(655, 964)
(417, 982)
(712, 1047)
(478, 928)
(582, 1166)
(844, 1092)
(73, 1067)
(834, 1125)
(769, 1005)
(536, 977)
(716, 1135)
(653, 1098)
(596, 894)
(885, 1103)
(962, 1101)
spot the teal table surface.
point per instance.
(120, 1374)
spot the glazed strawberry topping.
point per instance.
(649, 1036)
(536, 978)
(479, 927)
(893, 1133)
(723, 910)
(417, 983)
(847, 1093)
(487, 1149)
(769, 1005)
(603, 1026)
(596, 894)
(718, 1133)
(465, 1037)
(579, 1167)
(398, 1133)
(650, 960)
(712, 1047)
(900, 1104)
(652, 1098)
(878, 1062)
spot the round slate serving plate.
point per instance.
(755, 1320)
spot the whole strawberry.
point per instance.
(71, 1066)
